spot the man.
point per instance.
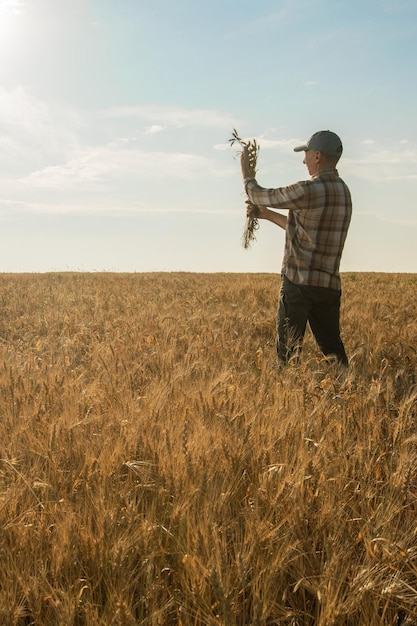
(319, 213)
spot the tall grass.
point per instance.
(156, 468)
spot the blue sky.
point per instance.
(115, 117)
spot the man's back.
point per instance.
(319, 214)
(316, 231)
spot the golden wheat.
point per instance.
(155, 468)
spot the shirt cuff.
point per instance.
(248, 180)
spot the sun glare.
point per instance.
(12, 6)
(11, 33)
(7, 25)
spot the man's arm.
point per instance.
(284, 198)
(262, 212)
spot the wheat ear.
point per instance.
(252, 223)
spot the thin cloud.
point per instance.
(73, 161)
(106, 167)
(84, 172)
(282, 144)
(12, 6)
(386, 218)
(173, 116)
(35, 130)
(394, 163)
(14, 209)
(154, 129)
(265, 144)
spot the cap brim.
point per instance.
(300, 148)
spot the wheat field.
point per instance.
(156, 468)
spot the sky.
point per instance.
(116, 115)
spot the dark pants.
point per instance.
(320, 307)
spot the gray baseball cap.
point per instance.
(323, 141)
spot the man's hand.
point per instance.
(252, 211)
(264, 213)
(260, 212)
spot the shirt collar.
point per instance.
(331, 171)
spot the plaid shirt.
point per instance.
(319, 212)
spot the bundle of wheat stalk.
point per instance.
(252, 223)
